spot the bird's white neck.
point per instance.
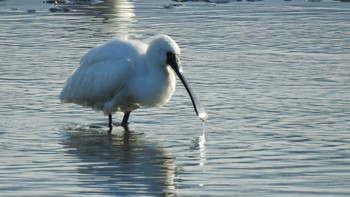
(156, 86)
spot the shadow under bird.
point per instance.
(123, 75)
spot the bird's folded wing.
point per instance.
(96, 83)
(103, 72)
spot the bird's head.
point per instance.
(164, 51)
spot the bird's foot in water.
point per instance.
(125, 126)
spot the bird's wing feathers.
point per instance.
(115, 49)
(102, 73)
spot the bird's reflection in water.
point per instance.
(122, 163)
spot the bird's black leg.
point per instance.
(125, 119)
(110, 125)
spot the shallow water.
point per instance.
(273, 75)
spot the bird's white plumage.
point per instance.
(123, 75)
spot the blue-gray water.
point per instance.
(273, 75)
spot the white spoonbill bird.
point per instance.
(123, 75)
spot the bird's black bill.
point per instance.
(198, 108)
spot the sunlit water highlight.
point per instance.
(273, 75)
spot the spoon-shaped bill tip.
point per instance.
(203, 116)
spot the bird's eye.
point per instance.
(170, 54)
(171, 58)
